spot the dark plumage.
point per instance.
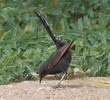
(59, 60)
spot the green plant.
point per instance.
(24, 44)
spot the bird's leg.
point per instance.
(62, 78)
(59, 83)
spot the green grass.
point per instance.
(24, 43)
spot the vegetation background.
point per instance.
(25, 44)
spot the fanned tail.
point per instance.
(56, 40)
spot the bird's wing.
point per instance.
(54, 59)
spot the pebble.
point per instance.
(41, 88)
(10, 85)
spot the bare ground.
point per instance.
(78, 88)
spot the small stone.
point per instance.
(10, 85)
(48, 97)
(73, 89)
(49, 88)
(41, 88)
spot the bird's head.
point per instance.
(42, 73)
(40, 77)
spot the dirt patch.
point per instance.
(80, 88)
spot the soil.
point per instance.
(80, 87)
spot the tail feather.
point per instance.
(56, 40)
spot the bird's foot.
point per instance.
(59, 86)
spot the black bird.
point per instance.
(60, 59)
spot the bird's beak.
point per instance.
(40, 80)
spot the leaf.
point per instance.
(24, 39)
(80, 25)
(86, 21)
(8, 40)
(95, 69)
